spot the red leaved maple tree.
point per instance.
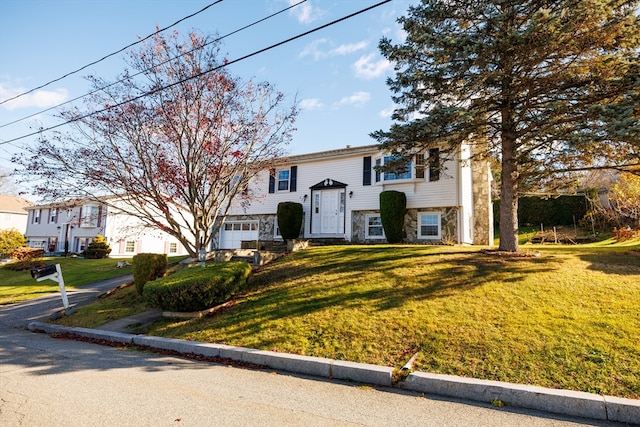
(173, 142)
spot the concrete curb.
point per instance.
(564, 402)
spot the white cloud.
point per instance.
(358, 98)
(37, 99)
(366, 68)
(305, 13)
(387, 112)
(315, 49)
(346, 49)
(311, 104)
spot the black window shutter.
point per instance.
(272, 181)
(293, 183)
(366, 170)
(434, 164)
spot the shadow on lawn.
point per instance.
(366, 279)
(626, 263)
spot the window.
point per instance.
(241, 226)
(36, 216)
(402, 171)
(90, 216)
(420, 165)
(373, 229)
(429, 226)
(83, 242)
(54, 215)
(173, 248)
(130, 246)
(283, 180)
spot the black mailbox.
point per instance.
(46, 270)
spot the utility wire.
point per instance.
(111, 54)
(151, 68)
(199, 74)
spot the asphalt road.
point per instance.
(46, 381)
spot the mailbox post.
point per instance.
(52, 272)
(202, 257)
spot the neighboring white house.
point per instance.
(72, 225)
(448, 199)
(13, 213)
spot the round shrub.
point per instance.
(147, 267)
(290, 216)
(393, 206)
(10, 240)
(196, 288)
(98, 248)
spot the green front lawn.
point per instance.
(18, 286)
(566, 319)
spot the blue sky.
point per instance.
(337, 73)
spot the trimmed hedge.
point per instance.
(393, 206)
(148, 267)
(196, 288)
(290, 216)
(562, 210)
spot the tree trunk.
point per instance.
(509, 198)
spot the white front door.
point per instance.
(330, 212)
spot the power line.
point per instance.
(150, 68)
(306, 33)
(111, 54)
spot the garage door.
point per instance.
(234, 232)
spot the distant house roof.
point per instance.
(14, 204)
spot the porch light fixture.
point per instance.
(304, 198)
(350, 194)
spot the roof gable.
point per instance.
(14, 204)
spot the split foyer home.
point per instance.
(448, 201)
(71, 225)
(448, 198)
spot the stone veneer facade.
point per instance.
(482, 204)
(449, 225)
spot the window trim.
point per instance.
(87, 219)
(282, 180)
(382, 177)
(367, 225)
(438, 215)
